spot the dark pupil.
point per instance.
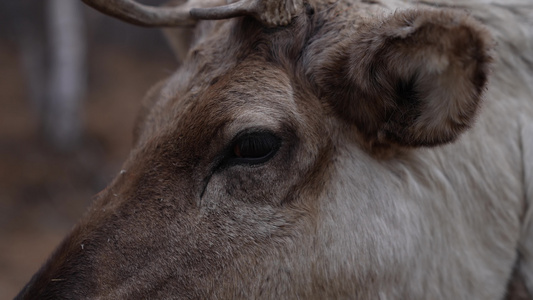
(257, 146)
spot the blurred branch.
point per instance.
(67, 76)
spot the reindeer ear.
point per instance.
(415, 78)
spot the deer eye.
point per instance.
(255, 148)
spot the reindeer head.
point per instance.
(251, 161)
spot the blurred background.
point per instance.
(71, 82)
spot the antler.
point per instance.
(149, 16)
(269, 12)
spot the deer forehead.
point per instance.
(253, 94)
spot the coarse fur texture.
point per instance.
(404, 168)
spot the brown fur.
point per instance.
(398, 73)
(326, 216)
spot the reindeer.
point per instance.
(320, 149)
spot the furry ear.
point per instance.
(414, 78)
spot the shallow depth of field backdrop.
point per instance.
(54, 157)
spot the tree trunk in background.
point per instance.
(62, 123)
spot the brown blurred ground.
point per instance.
(43, 193)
